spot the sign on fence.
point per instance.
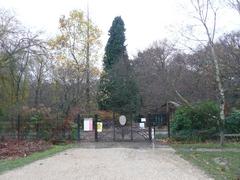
(99, 126)
(122, 120)
(143, 120)
(153, 133)
(88, 124)
(142, 125)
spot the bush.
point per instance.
(1, 112)
(198, 123)
(37, 122)
(74, 132)
(232, 125)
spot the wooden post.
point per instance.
(78, 127)
(95, 127)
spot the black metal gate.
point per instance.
(112, 130)
(135, 129)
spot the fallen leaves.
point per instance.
(12, 149)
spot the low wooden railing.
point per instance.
(231, 135)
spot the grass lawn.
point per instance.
(206, 145)
(219, 165)
(6, 165)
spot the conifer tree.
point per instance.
(117, 89)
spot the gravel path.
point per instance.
(117, 163)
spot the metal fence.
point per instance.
(56, 129)
(31, 130)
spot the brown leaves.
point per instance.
(12, 149)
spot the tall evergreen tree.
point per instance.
(117, 89)
(115, 47)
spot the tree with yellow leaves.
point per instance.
(78, 44)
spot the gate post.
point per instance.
(78, 127)
(131, 116)
(149, 128)
(114, 138)
(168, 119)
(168, 125)
(95, 127)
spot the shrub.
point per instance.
(232, 125)
(37, 122)
(198, 123)
(5, 124)
(1, 112)
(74, 132)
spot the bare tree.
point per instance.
(206, 15)
(39, 70)
(235, 4)
(151, 68)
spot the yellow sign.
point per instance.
(99, 126)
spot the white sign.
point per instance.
(122, 120)
(143, 119)
(153, 133)
(142, 125)
(88, 124)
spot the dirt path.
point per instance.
(116, 162)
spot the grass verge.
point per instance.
(219, 165)
(6, 165)
(206, 145)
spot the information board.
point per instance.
(143, 119)
(88, 124)
(142, 125)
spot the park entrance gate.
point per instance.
(119, 128)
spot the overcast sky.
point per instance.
(145, 20)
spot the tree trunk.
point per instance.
(88, 69)
(221, 95)
(36, 97)
(38, 86)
